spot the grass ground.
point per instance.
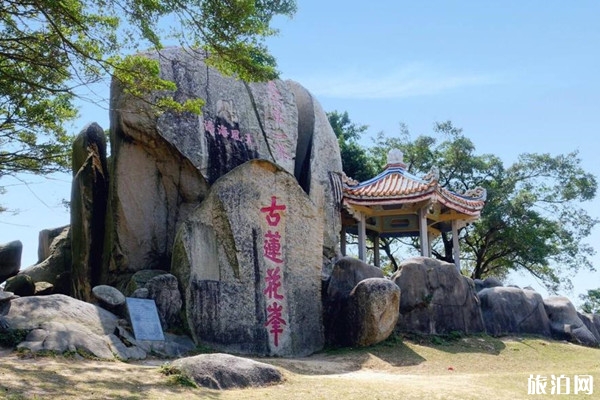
(417, 368)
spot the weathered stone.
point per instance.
(492, 281)
(57, 263)
(436, 299)
(590, 322)
(164, 290)
(487, 283)
(21, 285)
(373, 310)
(43, 288)
(508, 310)
(89, 193)
(565, 324)
(141, 293)
(62, 337)
(63, 283)
(346, 274)
(140, 278)
(224, 371)
(163, 165)
(10, 259)
(61, 323)
(110, 298)
(173, 346)
(245, 261)
(319, 165)
(45, 239)
(5, 298)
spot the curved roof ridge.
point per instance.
(388, 171)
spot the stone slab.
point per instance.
(144, 319)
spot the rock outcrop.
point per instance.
(508, 310)
(436, 299)
(57, 263)
(249, 262)
(89, 194)
(565, 323)
(61, 324)
(163, 166)
(10, 259)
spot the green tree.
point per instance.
(50, 48)
(532, 220)
(356, 162)
(591, 304)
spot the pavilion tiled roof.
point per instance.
(395, 185)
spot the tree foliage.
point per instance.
(532, 220)
(591, 302)
(50, 48)
(356, 162)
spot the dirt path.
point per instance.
(470, 369)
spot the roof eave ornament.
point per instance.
(478, 193)
(348, 181)
(433, 175)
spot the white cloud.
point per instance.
(409, 81)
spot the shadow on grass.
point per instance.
(457, 342)
(59, 377)
(396, 351)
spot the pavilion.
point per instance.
(396, 203)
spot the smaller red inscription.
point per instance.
(209, 127)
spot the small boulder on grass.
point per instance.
(224, 371)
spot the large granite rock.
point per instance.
(565, 323)
(162, 166)
(372, 311)
(10, 259)
(224, 371)
(346, 274)
(508, 310)
(436, 299)
(58, 262)
(249, 262)
(61, 323)
(592, 322)
(89, 194)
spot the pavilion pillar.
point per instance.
(430, 238)
(362, 238)
(343, 241)
(455, 247)
(376, 251)
(423, 231)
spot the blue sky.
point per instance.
(516, 76)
